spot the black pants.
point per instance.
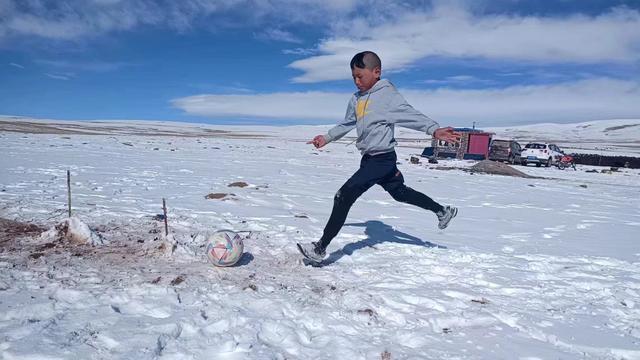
(377, 169)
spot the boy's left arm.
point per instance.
(399, 112)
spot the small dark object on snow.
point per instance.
(159, 217)
(127, 143)
(583, 186)
(36, 255)
(414, 160)
(251, 286)
(385, 355)
(239, 184)
(302, 216)
(177, 281)
(46, 246)
(216, 196)
(433, 161)
(446, 330)
(156, 280)
(482, 301)
(592, 171)
(367, 312)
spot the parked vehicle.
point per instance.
(566, 161)
(505, 150)
(540, 154)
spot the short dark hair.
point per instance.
(366, 60)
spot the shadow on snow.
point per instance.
(377, 233)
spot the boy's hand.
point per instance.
(447, 134)
(318, 141)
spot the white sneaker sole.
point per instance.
(306, 256)
(455, 212)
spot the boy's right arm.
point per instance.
(345, 126)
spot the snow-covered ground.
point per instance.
(543, 268)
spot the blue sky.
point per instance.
(498, 62)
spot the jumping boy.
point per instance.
(374, 111)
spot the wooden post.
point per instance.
(164, 209)
(69, 191)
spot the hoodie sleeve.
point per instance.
(345, 126)
(402, 114)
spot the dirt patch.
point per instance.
(218, 196)
(620, 127)
(497, 168)
(10, 230)
(239, 184)
(115, 128)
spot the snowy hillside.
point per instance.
(627, 130)
(542, 268)
(610, 137)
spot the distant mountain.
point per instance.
(620, 131)
(617, 131)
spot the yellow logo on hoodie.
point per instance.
(361, 108)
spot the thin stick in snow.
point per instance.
(69, 191)
(164, 208)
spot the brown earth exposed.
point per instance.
(101, 128)
(497, 168)
(10, 229)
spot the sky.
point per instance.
(496, 63)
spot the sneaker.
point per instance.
(445, 216)
(310, 251)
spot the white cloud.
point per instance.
(456, 33)
(567, 102)
(460, 80)
(278, 35)
(296, 105)
(74, 19)
(299, 51)
(58, 76)
(16, 65)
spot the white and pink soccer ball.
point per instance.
(224, 248)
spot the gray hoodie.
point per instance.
(374, 114)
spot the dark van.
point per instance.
(505, 150)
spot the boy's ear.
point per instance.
(377, 71)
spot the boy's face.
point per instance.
(365, 78)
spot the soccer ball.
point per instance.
(224, 248)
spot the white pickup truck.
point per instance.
(540, 153)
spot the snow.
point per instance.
(530, 269)
(73, 230)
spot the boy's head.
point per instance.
(366, 68)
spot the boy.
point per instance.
(373, 111)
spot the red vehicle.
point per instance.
(565, 162)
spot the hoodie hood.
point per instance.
(379, 85)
